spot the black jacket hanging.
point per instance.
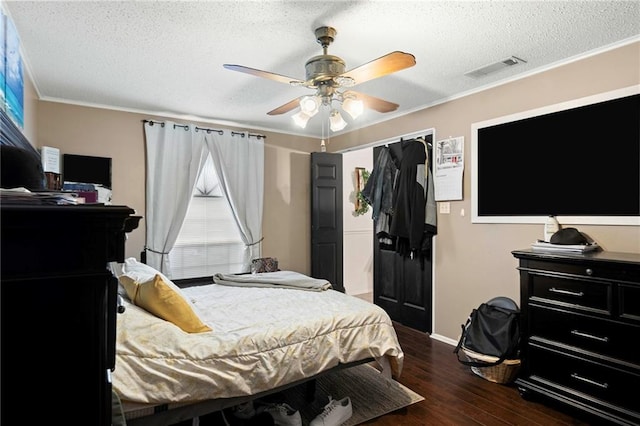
(408, 221)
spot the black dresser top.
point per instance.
(596, 256)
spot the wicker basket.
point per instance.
(505, 372)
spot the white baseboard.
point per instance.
(444, 339)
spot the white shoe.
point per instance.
(335, 413)
(283, 414)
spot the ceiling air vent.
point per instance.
(497, 66)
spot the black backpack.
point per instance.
(492, 329)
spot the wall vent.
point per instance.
(495, 67)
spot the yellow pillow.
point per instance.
(157, 297)
(130, 285)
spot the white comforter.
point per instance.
(262, 338)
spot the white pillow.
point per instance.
(131, 264)
(141, 272)
(115, 268)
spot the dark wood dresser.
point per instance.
(581, 328)
(58, 311)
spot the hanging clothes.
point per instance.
(431, 213)
(431, 207)
(378, 193)
(408, 200)
(378, 190)
(414, 216)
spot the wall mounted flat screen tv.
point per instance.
(86, 169)
(579, 161)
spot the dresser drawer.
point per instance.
(590, 268)
(600, 336)
(630, 302)
(584, 377)
(592, 295)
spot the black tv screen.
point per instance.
(579, 161)
(87, 169)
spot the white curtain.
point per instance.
(175, 154)
(239, 162)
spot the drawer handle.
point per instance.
(566, 292)
(591, 382)
(590, 336)
(589, 271)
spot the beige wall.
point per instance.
(108, 133)
(30, 99)
(473, 261)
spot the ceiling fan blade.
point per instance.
(387, 64)
(283, 109)
(372, 102)
(264, 74)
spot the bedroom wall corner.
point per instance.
(31, 99)
(286, 224)
(75, 129)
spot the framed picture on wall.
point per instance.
(3, 55)
(13, 74)
(361, 206)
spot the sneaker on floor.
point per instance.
(283, 414)
(335, 413)
(244, 411)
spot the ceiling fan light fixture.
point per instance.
(327, 75)
(301, 119)
(336, 121)
(344, 81)
(353, 107)
(310, 105)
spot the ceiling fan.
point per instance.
(327, 76)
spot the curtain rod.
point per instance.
(242, 134)
(220, 132)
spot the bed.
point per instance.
(258, 339)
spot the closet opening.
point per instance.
(378, 275)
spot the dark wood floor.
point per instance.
(454, 395)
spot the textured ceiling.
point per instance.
(166, 57)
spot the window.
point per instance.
(209, 241)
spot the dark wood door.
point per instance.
(402, 286)
(326, 218)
